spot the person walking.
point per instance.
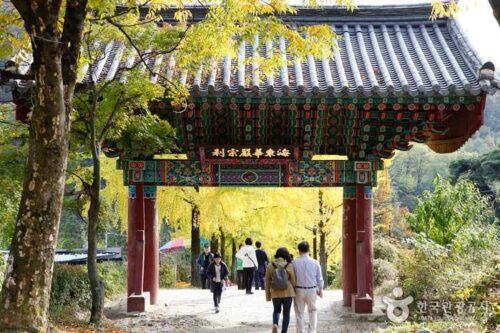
(280, 283)
(204, 260)
(239, 272)
(309, 285)
(262, 261)
(218, 273)
(247, 254)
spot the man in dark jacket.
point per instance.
(204, 260)
(262, 261)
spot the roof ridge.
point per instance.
(419, 11)
(459, 36)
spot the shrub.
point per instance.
(383, 270)
(443, 213)
(167, 276)
(114, 275)
(184, 273)
(465, 271)
(70, 291)
(70, 288)
(336, 272)
(384, 249)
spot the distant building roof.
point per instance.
(79, 256)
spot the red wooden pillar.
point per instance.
(363, 300)
(137, 300)
(139, 262)
(151, 268)
(349, 278)
(132, 211)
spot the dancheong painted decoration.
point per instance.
(397, 78)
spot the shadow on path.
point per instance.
(191, 311)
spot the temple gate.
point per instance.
(398, 77)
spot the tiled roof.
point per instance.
(384, 51)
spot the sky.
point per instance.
(482, 30)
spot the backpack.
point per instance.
(279, 279)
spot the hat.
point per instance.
(206, 246)
(217, 255)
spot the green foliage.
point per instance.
(444, 212)
(465, 270)
(114, 276)
(167, 276)
(385, 250)
(13, 152)
(483, 171)
(71, 230)
(144, 135)
(70, 288)
(335, 277)
(70, 292)
(412, 173)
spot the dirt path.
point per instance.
(191, 310)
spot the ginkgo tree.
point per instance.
(277, 217)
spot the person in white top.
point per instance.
(308, 285)
(247, 254)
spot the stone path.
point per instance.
(191, 310)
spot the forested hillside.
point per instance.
(412, 172)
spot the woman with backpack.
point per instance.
(280, 283)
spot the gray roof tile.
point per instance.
(380, 54)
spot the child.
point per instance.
(217, 273)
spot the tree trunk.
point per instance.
(195, 244)
(25, 292)
(322, 236)
(26, 288)
(214, 244)
(96, 284)
(315, 242)
(322, 254)
(233, 260)
(222, 244)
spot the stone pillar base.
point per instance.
(138, 303)
(362, 304)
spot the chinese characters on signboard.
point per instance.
(249, 152)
